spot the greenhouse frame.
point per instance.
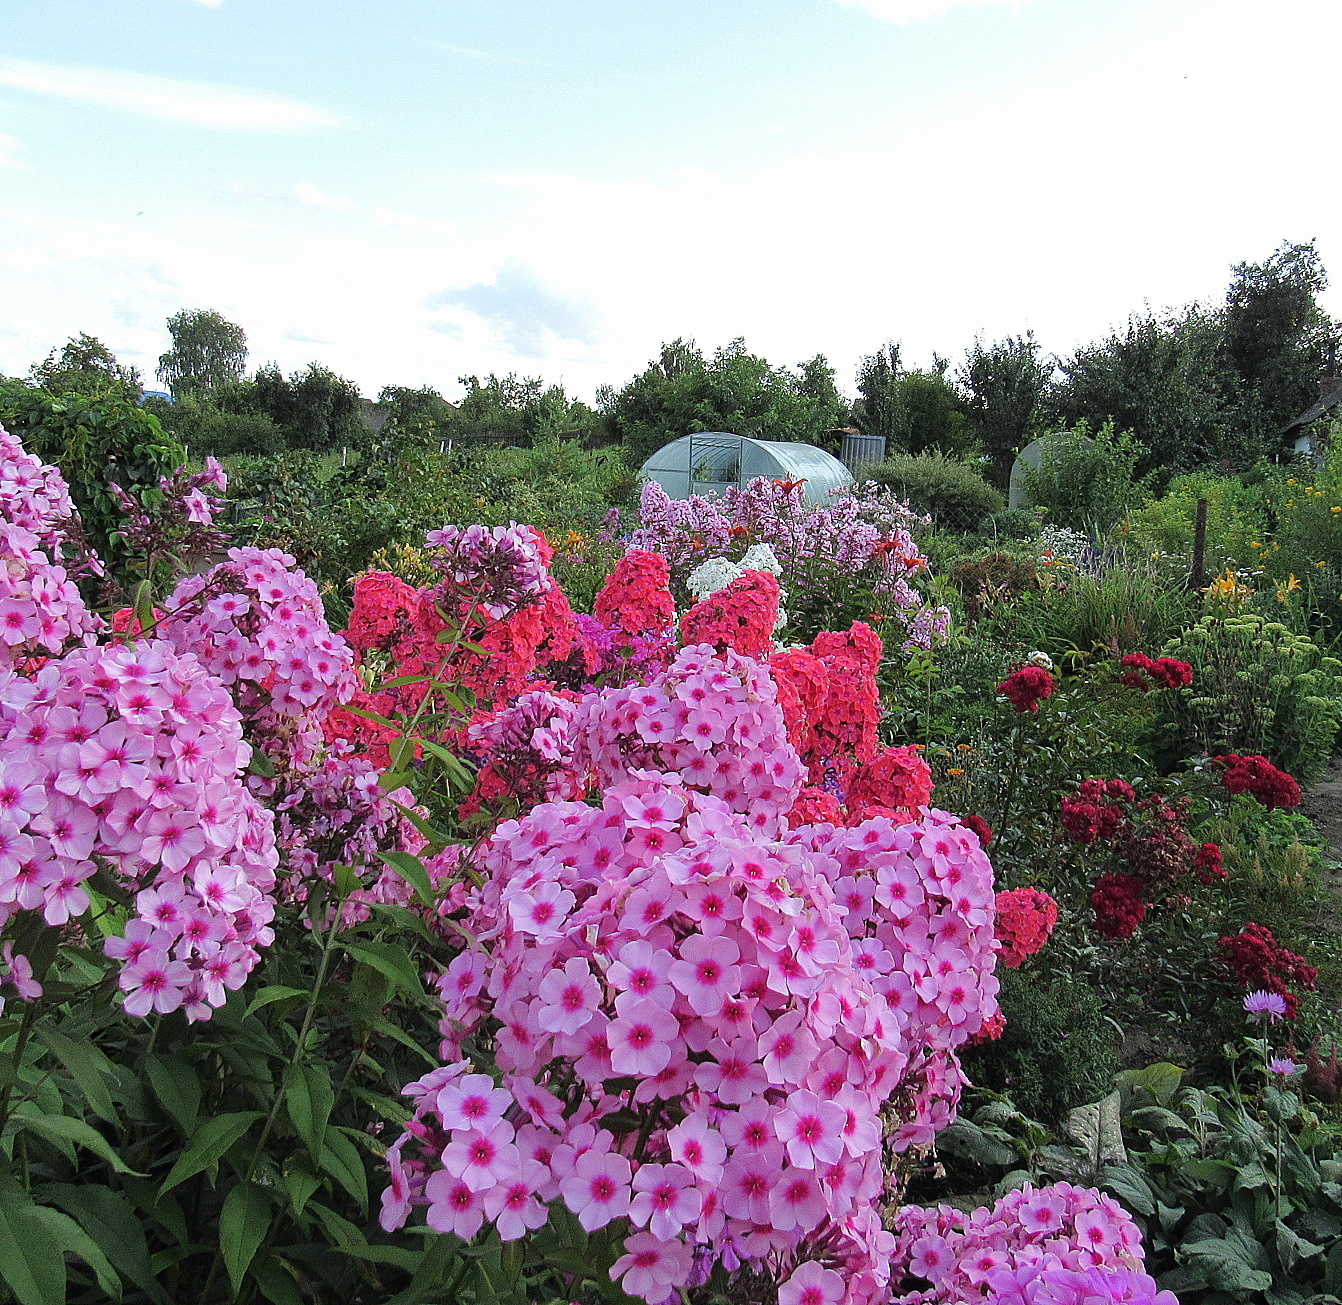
(708, 462)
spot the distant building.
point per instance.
(1303, 441)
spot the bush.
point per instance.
(1056, 1052)
(1087, 482)
(1013, 523)
(948, 490)
(1235, 521)
(1257, 689)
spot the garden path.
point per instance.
(1322, 803)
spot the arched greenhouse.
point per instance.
(708, 461)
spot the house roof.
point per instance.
(1325, 404)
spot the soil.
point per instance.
(1322, 803)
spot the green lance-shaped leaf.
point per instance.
(211, 1140)
(61, 1128)
(31, 1260)
(308, 1099)
(242, 1228)
(177, 1087)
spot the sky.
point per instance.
(412, 191)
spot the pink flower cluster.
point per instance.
(714, 720)
(497, 569)
(1056, 1245)
(33, 495)
(256, 623)
(132, 758)
(526, 752)
(861, 532)
(339, 814)
(699, 1026)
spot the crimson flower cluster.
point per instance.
(1056, 1245)
(1258, 963)
(1026, 687)
(1146, 673)
(1258, 777)
(1148, 847)
(636, 596)
(1025, 918)
(741, 616)
(751, 1002)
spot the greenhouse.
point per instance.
(709, 461)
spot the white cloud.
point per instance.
(389, 217)
(306, 193)
(903, 12)
(9, 151)
(197, 104)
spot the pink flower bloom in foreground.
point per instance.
(597, 1190)
(811, 1129)
(665, 1199)
(640, 1039)
(812, 1284)
(650, 1267)
(473, 1102)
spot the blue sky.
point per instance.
(413, 190)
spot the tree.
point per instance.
(84, 365)
(207, 350)
(1278, 341)
(879, 409)
(419, 418)
(1162, 379)
(315, 408)
(681, 391)
(519, 410)
(1005, 384)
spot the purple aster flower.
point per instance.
(1281, 1065)
(1270, 1004)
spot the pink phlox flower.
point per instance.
(597, 1189)
(641, 972)
(473, 1102)
(665, 1199)
(652, 1268)
(641, 1039)
(569, 997)
(811, 1129)
(454, 1206)
(482, 1157)
(542, 911)
(706, 972)
(698, 1146)
(798, 1201)
(153, 982)
(812, 1284)
(514, 1204)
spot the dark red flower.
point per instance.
(1258, 777)
(980, 826)
(1024, 688)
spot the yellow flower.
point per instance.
(1336, 509)
(955, 770)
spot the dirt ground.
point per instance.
(1322, 803)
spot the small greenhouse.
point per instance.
(709, 461)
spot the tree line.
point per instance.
(1206, 384)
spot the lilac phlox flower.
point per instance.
(1283, 1066)
(1272, 1005)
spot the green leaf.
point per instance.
(211, 1140)
(61, 1128)
(73, 1240)
(962, 1138)
(1224, 1267)
(110, 1221)
(177, 1087)
(31, 1262)
(242, 1228)
(86, 1065)
(269, 995)
(300, 1184)
(391, 960)
(412, 870)
(276, 1280)
(260, 765)
(341, 1160)
(308, 1099)
(1128, 1184)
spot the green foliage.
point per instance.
(1012, 524)
(316, 409)
(916, 411)
(516, 411)
(1007, 384)
(1235, 523)
(682, 392)
(1057, 1050)
(94, 440)
(1086, 482)
(205, 427)
(419, 418)
(207, 351)
(85, 366)
(1257, 688)
(1164, 380)
(948, 490)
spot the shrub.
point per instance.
(950, 491)
(1235, 521)
(1057, 1050)
(1087, 482)
(1257, 689)
(1013, 523)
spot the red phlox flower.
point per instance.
(636, 597)
(1025, 687)
(1025, 918)
(1258, 963)
(740, 617)
(1258, 777)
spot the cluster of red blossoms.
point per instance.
(1147, 673)
(1148, 845)
(1025, 918)
(740, 617)
(1258, 777)
(636, 597)
(1025, 687)
(1259, 964)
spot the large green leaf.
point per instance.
(308, 1099)
(211, 1140)
(393, 961)
(31, 1261)
(177, 1086)
(342, 1161)
(110, 1221)
(1224, 1267)
(412, 870)
(242, 1228)
(86, 1065)
(61, 1128)
(73, 1240)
